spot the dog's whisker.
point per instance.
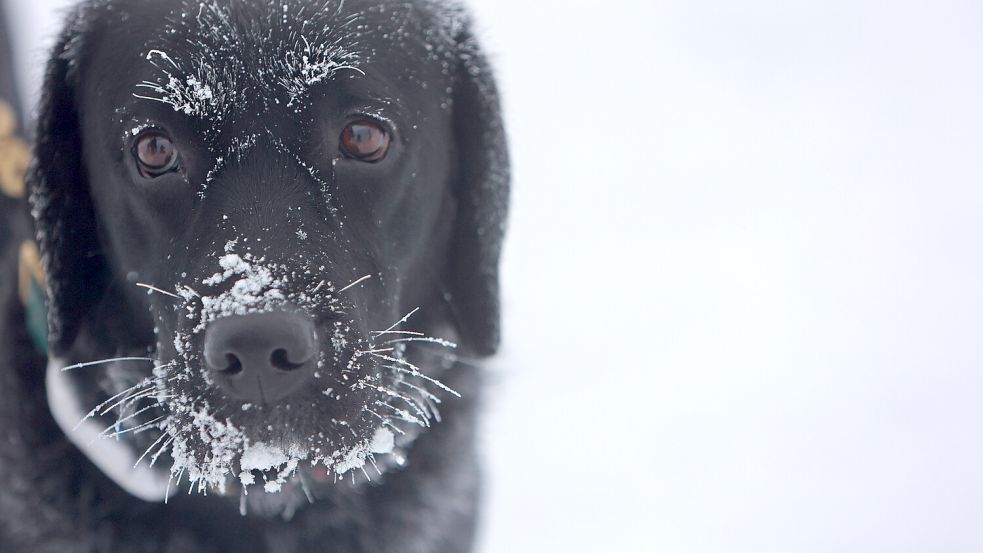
(425, 393)
(133, 430)
(392, 426)
(367, 351)
(145, 427)
(421, 347)
(163, 448)
(151, 97)
(400, 361)
(430, 400)
(167, 489)
(107, 432)
(403, 414)
(158, 290)
(373, 413)
(434, 411)
(104, 362)
(354, 284)
(374, 464)
(399, 322)
(426, 339)
(99, 407)
(446, 355)
(146, 383)
(385, 421)
(157, 398)
(403, 332)
(305, 487)
(149, 391)
(120, 420)
(350, 68)
(177, 482)
(409, 401)
(191, 291)
(156, 442)
(416, 405)
(164, 369)
(406, 367)
(131, 398)
(418, 374)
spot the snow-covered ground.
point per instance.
(744, 282)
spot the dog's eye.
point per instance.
(365, 140)
(155, 154)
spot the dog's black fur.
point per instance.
(261, 180)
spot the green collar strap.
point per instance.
(31, 285)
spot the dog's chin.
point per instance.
(284, 504)
(302, 490)
(278, 483)
(282, 500)
(273, 482)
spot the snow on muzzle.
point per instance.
(269, 379)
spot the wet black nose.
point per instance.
(261, 357)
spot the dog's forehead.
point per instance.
(214, 58)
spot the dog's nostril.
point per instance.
(234, 365)
(281, 360)
(261, 357)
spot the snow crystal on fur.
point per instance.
(205, 77)
(254, 290)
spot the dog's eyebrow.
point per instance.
(388, 111)
(219, 70)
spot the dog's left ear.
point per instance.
(62, 208)
(482, 193)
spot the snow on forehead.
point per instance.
(217, 57)
(220, 57)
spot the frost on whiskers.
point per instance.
(224, 62)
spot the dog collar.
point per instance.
(31, 283)
(114, 458)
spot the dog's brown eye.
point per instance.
(155, 154)
(365, 140)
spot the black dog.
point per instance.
(265, 224)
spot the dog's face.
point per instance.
(276, 202)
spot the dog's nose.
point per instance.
(261, 357)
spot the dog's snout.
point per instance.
(261, 357)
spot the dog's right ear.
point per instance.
(65, 222)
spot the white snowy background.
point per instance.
(744, 280)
